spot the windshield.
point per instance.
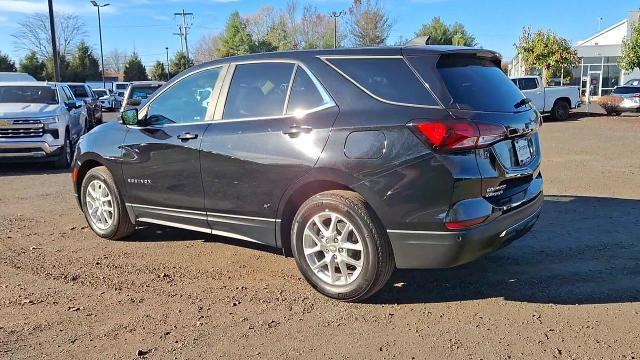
(28, 94)
(623, 90)
(100, 93)
(478, 84)
(142, 92)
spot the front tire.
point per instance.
(64, 159)
(340, 246)
(103, 206)
(561, 110)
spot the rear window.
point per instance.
(389, 79)
(477, 84)
(28, 95)
(100, 93)
(142, 92)
(79, 91)
(623, 90)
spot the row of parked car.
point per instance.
(44, 120)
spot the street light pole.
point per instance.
(335, 15)
(167, 49)
(100, 32)
(54, 45)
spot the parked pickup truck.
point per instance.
(556, 101)
(40, 121)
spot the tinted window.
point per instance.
(477, 84)
(389, 79)
(68, 93)
(142, 92)
(122, 86)
(100, 93)
(28, 95)
(181, 102)
(528, 84)
(79, 91)
(258, 90)
(305, 94)
(622, 90)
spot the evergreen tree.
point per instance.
(64, 68)
(158, 72)
(6, 64)
(134, 69)
(32, 65)
(236, 39)
(442, 34)
(179, 63)
(84, 65)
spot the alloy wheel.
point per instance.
(99, 204)
(333, 248)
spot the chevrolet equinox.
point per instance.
(353, 161)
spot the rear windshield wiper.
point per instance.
(522, 103)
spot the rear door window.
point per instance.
(258, 90)
(477, 84)
(306, 94)
(389, 79)
(528, 84)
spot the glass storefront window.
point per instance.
(592, 60)
(611, 59)
(610, 76)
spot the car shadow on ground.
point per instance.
(30, 168)
(583, 250)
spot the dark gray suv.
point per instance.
(353, 161)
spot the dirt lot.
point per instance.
(570, 289)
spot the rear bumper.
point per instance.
(428, 249)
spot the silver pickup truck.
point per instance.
(556, 101)
(39, 121)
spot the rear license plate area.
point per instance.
(523, 151)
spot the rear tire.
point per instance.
(561, 110)
(103, 206)
(340, 246)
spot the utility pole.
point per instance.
(184, 29)
(167, 49)
(181, 40)
(94, 3)
(335, 15)
(54, 46)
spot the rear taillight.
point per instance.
(450, 135)
(459, 225)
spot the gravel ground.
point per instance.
(570, 289)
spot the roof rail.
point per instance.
(420, 41)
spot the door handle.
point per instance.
(187, 136)
(296, 130)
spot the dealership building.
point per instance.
(598, 70)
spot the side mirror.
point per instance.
(129, 117)
(134, 102)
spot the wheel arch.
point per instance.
(562, 99)
(296, 195)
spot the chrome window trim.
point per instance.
(145, 108)
(232, 67)
(326, 59)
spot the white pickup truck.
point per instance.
(556, 101)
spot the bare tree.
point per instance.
(315, 29)
(206, 48)
(259, 23)
(115, 60)
(34, 34)
(368, 23)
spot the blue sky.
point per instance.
(147, 25)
